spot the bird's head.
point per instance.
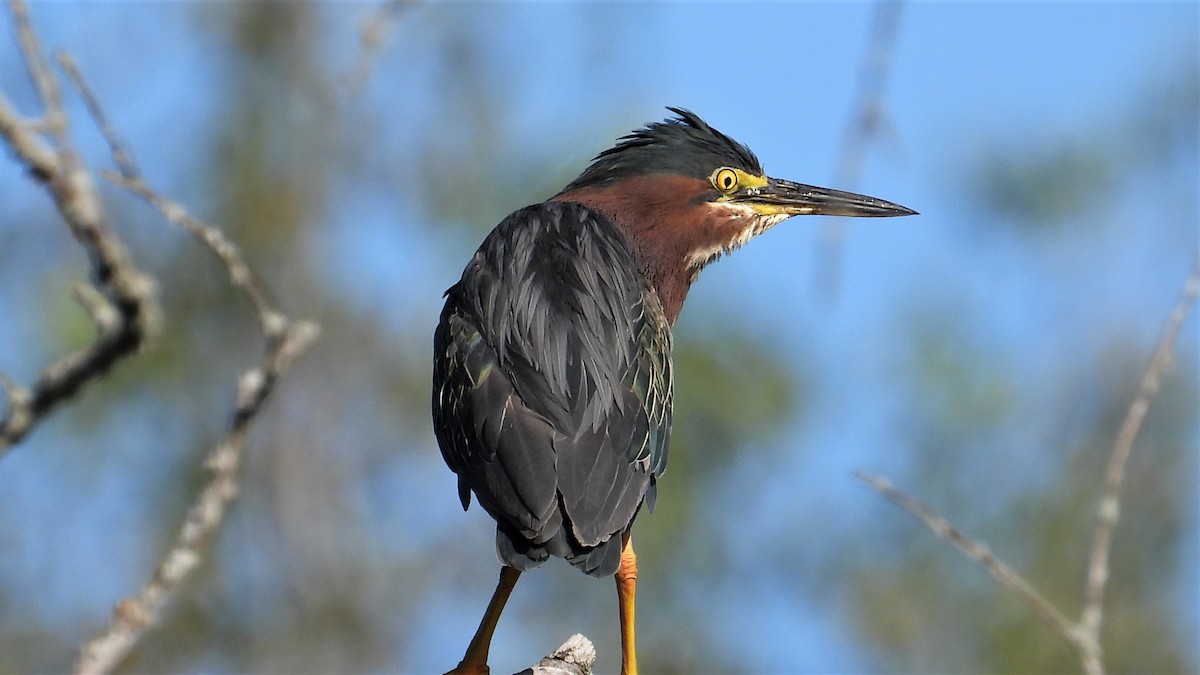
(685, 193)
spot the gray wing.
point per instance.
(552, 385)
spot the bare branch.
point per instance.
(373, 36)
(120, 152)
(285, 340)
(977, 552)
(271, 321)
(97, 306)
(126, 290)
(1109, 507)
(574, 657)
(121, 304)
(19, 404)
(870, 115)
(23, 137)
(133, 615)
(1084, 635)
(39, 71)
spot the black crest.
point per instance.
(683, 145)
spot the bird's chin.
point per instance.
(755, 224)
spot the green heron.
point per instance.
(552, 378)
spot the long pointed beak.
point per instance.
(795, 199)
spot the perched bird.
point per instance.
(552, 380)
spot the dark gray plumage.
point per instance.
(683, 146)
(552, 367)
(552, 386)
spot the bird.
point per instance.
(552, 373)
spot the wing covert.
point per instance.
(552, 380)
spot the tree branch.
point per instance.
(1109, 508)
(573, 657)
(121, 154)
(133, 615)
(869, 116)
(374, 33)
(38, 68)
(122, 303)
(1084, 635)
(285, 340)
(980, 553)
(271, 322)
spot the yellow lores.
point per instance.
(737, 205)
(729, 180)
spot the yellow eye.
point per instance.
(725, 180)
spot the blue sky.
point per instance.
(965, 78)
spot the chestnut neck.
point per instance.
(666, 221)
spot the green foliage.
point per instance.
(730, 392)
(1045, 184)
(730, 396)
(1043, 191)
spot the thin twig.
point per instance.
(54, 121)
(373, 36)
(271, 321)
(1084, 635)
(1109, 507)
(121, 154)
(122, 306)
(133, 615)
(1004, 574)
(285, 340)
(863, 126)
(128, 292)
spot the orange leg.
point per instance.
(474, 662)
(626, 589)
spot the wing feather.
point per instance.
(553, 387)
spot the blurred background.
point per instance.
(981, 355)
